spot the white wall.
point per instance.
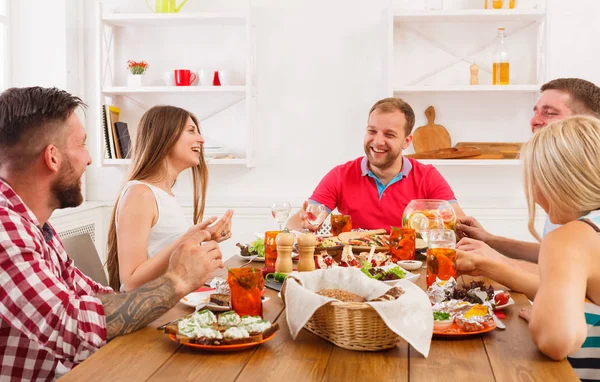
(319, 69)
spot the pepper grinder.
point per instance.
(474, 74)
(306, 249)
(285, 244)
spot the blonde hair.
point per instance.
(157, 134)
(561, 164)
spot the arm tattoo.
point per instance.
(128, 312)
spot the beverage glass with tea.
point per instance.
(340, 223)
(402, 243)
(271, 248)
(246, 285)
(441, 255)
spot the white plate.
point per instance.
(257, 259)
(412, 277)
(509, 303)
(202, 300)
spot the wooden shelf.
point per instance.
(472, 162)
(173, 19)
(127, 162)
(469, 88)
(172, 89)
(470, 15)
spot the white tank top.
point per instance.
(171, 222)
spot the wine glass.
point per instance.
(281, 211)
(315, 215)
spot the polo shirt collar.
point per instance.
(406, 167)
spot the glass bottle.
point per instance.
(501, 64)
(497, 4)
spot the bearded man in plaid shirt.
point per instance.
(50, 312)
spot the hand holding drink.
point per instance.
(441, 255)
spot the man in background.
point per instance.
(376, 188)
(559, 98)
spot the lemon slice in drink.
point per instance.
(419, 222)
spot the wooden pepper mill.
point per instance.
(474, 74)
(285, 244)
(306, 249)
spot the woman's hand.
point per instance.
(480, 248)
(467, 262)
(221, 230)
(525, 313)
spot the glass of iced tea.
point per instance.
(441, 255)
(402, 243)
(340, 223)
(270, 248)
(246, 285)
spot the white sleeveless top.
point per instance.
(171, 222)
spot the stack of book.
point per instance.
(116, 134)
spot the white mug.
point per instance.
(225, 78)
(169, 78)
(206, 77)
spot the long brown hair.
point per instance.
(158, 131)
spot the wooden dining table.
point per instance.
(150, 355)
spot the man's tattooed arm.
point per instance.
(128, 312)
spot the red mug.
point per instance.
(183, 77)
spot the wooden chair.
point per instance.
(83, 252)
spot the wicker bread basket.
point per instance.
(350, 325)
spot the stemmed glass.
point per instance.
(281, 211)
(315, 215)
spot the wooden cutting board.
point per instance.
(449, 153)
(493, 147)
(431, 136)
(344, 237)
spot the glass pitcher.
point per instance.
(166, 6)
(426, 214)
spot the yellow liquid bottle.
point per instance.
(501, 64)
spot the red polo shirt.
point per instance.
(356, 191)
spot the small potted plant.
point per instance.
(137, 69)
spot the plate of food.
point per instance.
(207, 299)
(225, 332)
(502, 299)
(255, 251)
(389, 274)
(455, 320)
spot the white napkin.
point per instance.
(410, 316)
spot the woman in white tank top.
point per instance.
(561, 177)
(148, 222)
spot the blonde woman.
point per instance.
(148, 222)
(562, 176)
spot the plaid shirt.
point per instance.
(48, 309)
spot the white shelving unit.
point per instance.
(110, 23)
(115, 90)
(469, 88)
(470, 15)
(426, 86)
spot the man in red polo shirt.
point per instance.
(376, 188)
